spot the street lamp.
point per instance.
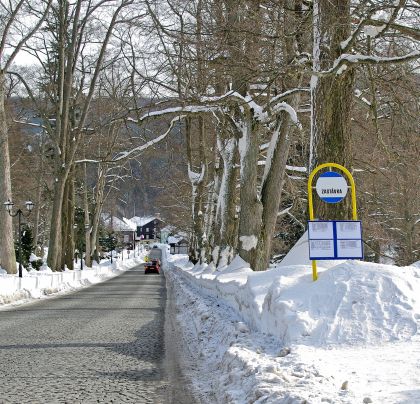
(19, 213)
(87, 226)
(134, 244)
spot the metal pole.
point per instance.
(81, 255)
(20, 243)
(19, 213)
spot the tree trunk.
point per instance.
(7, 250)
(55, 244)
(92, 232)
(88, 246)
(331, 98)
(250, 207)
(272, 189)
(244, 42)
(197, 180)
(225, 236)
(38, 200)
(67, 258)
(273, 178)
(211, 207)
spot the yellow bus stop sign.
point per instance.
(310, 198)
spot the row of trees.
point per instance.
(262, 90)
(270, 85)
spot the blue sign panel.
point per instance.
(331, 187)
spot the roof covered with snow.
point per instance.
(126, 224)
(118, 224)
(143, 220)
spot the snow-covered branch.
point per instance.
(36, 125)
(88, 161)
(206, 105)
(190, 109)
(288, 93)
(283, 106)
(297, 168)
(404, 29)
(126, 154)
(345, 59)
(196, 178)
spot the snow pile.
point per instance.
(416, 264)
(299, 255)
(39, 284)
(350, 303)
(353, 303)
(278, 337)
(241, 366)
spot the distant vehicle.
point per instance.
(155, 246)
(152, 267)
(155, 253)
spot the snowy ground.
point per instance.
(278, 337)
(44, 283)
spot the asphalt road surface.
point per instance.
(103, 344)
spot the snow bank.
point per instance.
(353, 302)
(299, 255)
(278, 337)
(240, 366)
(416, 264)
(38, 284)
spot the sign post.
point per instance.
(336, 239)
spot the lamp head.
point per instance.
(8, 205)
(29, 205)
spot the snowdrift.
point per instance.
(38, 284)
(351, 303)
(277, 337)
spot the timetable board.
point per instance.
(335, 239)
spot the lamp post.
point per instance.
(19, 213)
(134, 244)
(154, 230)
(87, 233)
(112, 244)
(86, 227)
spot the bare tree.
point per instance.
(338, 50)
(14, 35)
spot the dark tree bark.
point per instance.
(7, 250)
(332, 96)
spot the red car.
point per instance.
(152, 266)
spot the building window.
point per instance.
(147, 237)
